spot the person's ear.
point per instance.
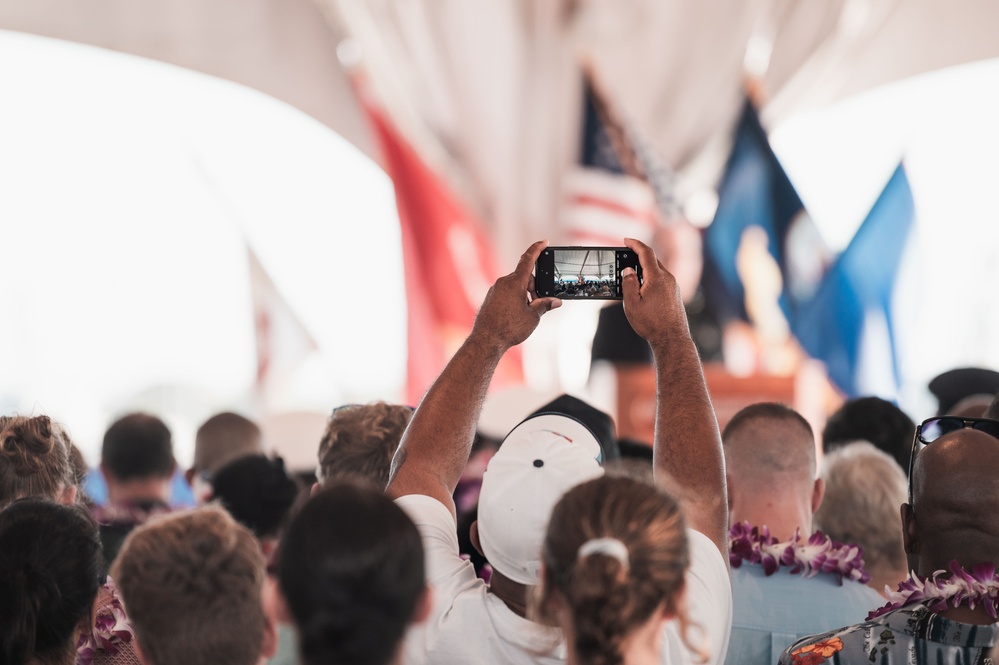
(269, 641)
(189, 477)
(910, 530)
(68, 496)
(473, 535)
(423, 606)
(818, 492)
(316, 488)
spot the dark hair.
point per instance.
(360, 440)
(607, 597)
(138, 446)
(871, 419)
(768, 411)
(351, 570)
(50, 559)
(34, 459)
(257, 492)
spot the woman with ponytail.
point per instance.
(351, 573)
(614, 559)
(50, 558)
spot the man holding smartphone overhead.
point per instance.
(472, 622)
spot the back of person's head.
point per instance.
(615, 552)
(352, 588)
(34, 459)
(769, 440)
(137, 446)
(538, 461)
(223, 438)
(192, 582)
(871, 419)
(360, 440)
(257, 492)
(956, 385)
(50, 558)
(864, 489)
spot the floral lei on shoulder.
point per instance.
(818, 554)
(111, 629)
(945, 589)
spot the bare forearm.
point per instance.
(440, 435)
(688, 455)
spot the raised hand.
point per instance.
(512, 309)
(654, 308)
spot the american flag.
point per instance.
(620, 187)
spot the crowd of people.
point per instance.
(708, 546)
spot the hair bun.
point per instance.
(26, 440)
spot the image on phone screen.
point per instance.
(583, 273)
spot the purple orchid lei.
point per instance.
(947, 588)
(111, 629)
(818, 554)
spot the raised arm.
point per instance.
(688, 457)
(435, 448)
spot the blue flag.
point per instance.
(755, 191)
(853, 305)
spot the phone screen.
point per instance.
(583, 273)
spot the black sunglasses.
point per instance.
(932, 429)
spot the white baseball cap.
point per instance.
(540, 460)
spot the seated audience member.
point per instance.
(541, 459)
(872, 419)
(784, 583)
(965, 391)
(137, 463)
(35, 462)
(221, 439)
(258, 493)
(352, 591)
(192, 582)
(864, 489)
(50, 558)
(615, 555)
(360, 440)
(945, 612)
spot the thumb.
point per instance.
(543, 305)
(630, 287)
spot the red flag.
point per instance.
(448, 262)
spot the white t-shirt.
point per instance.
(467, 624)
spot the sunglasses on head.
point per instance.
(932, 429)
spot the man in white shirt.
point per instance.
(473, 622)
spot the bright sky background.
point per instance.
(131, 189)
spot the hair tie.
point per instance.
(611, 547)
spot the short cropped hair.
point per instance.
(139, 446)
(864, 489)
(223, 438)
(191, 582)
(360, 440)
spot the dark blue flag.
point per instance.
(851, 313)
(755, 191)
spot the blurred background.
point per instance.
(279, 206)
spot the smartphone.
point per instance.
(583, 273)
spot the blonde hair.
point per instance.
(360, 440)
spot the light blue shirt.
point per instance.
(770, 613)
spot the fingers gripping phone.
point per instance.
(583, 273)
